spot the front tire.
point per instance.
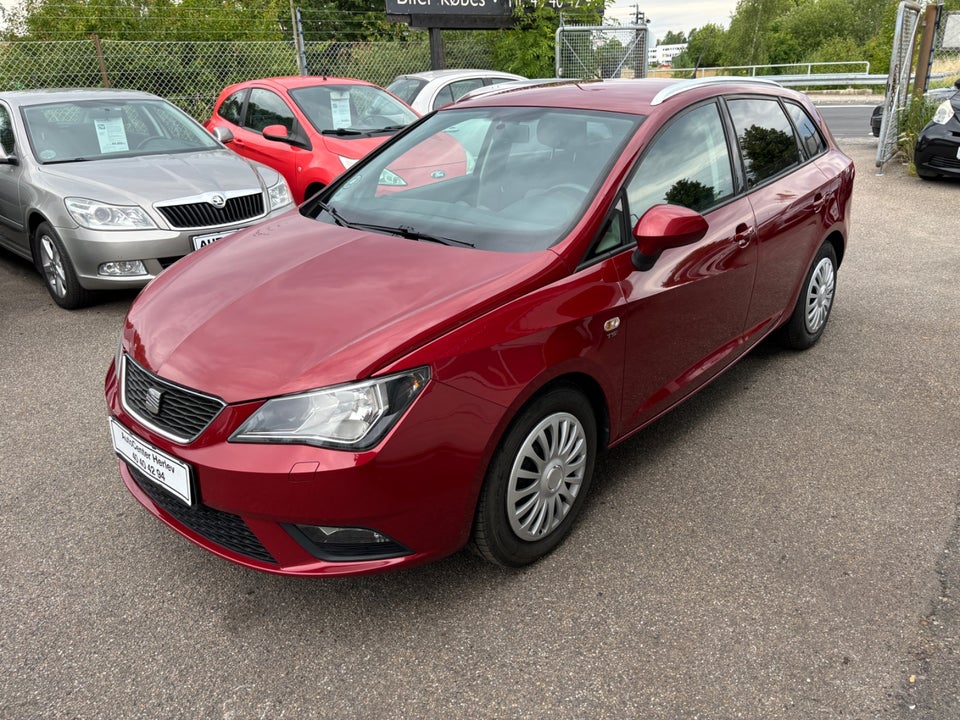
(537, 480)
(812, 310)
(57, 269)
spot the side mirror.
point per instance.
(276, 132)
(279, 133)
(8, 158)
(222, 134)
(663, 227)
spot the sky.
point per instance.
(679, 15)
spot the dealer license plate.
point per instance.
(163, 469)
(200, 241)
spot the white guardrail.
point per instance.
(816, 73)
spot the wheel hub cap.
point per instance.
(546, 476)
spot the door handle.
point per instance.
(743, 235)
(818, 202)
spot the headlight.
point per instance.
(388, 177)
(280, 195)
(354, 416)
(101, 216)
(944, 113)
(347, 162)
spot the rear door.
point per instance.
(788, 193)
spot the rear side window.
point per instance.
(231, 107)
(810, 137)
(765, 136)
(267, 108)
(688, 164)
(455, 91)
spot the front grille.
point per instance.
(944, 162)
(203, 214)
(226, 530)
(181, 414)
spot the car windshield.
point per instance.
(84, 130)
(509, 179)
(351, 108)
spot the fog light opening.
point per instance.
(122, 268)
(341, 544)
(323, 535)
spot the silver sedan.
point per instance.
(105, 188)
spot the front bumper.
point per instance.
(938, 150)
(418, 487)
(157, 249)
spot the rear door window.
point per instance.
(231, 107)
(765, 136)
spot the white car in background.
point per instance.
(427, 91)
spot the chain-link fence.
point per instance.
(942, 66)
(191, 74)
(945, 66)
(602, 51)
(898, 81)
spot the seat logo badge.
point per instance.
(152, 402)
(218, 201)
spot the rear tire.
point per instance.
(812, 310)
(57, 269)
(537, 480)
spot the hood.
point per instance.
(294, 304)
(150, 179)
(356, 146)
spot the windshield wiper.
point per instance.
(404, 231)
(332, 212)
(412, 234)
(388, 128)
(342, 131)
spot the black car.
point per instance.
(937, 153)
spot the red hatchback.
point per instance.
(399, 369)
(309, 129)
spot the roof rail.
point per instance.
(685, 85)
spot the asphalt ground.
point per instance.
(783, 545)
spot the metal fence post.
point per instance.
(103, 64)
(298, 39)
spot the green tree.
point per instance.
(705, 48)
(528, 47)
(749, 40)
(673, 38)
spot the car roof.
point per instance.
(635, 96)
(54, 95)
(430, 75)
(289, 82)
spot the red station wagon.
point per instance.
(398, 370)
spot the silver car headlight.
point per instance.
(353, 416)
(280, 195)
(103, 216)
(944, 113)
